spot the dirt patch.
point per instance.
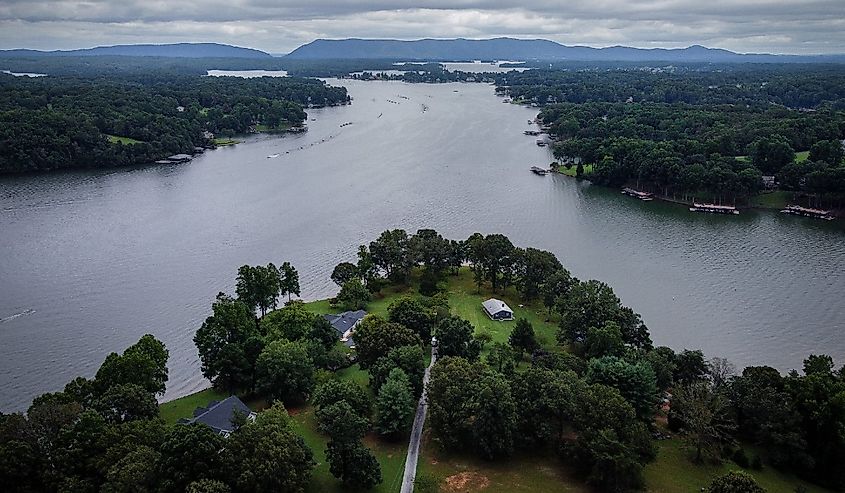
(466, 481)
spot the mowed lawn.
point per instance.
(116, 139)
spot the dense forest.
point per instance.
(591, 398)
(692, 133)
(106, 121)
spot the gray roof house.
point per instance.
(344, 323)
(218, 415)
(497, 309)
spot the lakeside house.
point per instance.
(218, 415)
(345, 323)
(497, 310)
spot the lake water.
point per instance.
(91, 260)
(247, 74)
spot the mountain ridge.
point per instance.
(527, 49)
(169, 50)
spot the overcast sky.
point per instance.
(279, 26)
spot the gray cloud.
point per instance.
(785, 26)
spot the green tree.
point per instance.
(375, 337)
(395, 404)
(354, 464)
(409, 359)
(502, 358)
(341, 422)
(705, 419)
(534, 267)
(454, 338)
(735, 482)
(208, 486)
(555, 287)
(292, 322)
(189, 453)
(690, 366)
(268, 456)
(143, 364)
(495, 418)
(344, 272)
(288, 280)
(127, 402)
(604, 341)
(353, 295)
(222, 343)
(522, 338)
(635, 381)
(259, 286)
(390, 252)
(284, 371)
(334, 391)
(829, 151)
(134, 472)
(451, 400)
(411, 313)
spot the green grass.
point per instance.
(223, 142)
(673, 471)
(802, 156)
(184, 406)
(116, 139)
(588, 169)
(777, 199)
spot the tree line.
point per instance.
(50, 123)
(707, 135)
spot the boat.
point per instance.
(271, 156)
(644, 196)
(539, 171)
(797, 210)
(531, 132)
(713, 208)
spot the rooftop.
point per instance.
(218, 414)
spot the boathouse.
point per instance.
(497, 310)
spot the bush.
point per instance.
(740, 458)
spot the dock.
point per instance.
(644, 196)
(713, 208)
(797, 210)
(532, 132)
(179, 158)
(539, 171)
(542, 143)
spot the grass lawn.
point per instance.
(223, 142)
(116, 139)
(777, 199)
(802, 156)
(588, 169)
(184, 406)
(673, 471)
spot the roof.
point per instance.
(345, 321)
(495, 306)
(218, 415)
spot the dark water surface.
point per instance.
(91, 260)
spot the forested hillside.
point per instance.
(49, 123)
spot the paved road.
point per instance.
(416, 433)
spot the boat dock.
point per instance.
(531, 132)
(797, 210)
(539, 171)
(713, 208)
(644, 196)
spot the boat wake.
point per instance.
(17, 315)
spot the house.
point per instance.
(219, 414)
(497, 309)
(769, 182)
(345, 323)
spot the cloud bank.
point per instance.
(785, 26)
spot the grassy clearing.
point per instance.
(673, 471)
(588, 169)
(777, 199)
(802, 156)
(223, 142)
(184, 406)
(116, 139)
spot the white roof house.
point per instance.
(497, 309)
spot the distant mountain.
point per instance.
(177, 50)
(526, 49)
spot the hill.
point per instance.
(176, 50)
(527, 49)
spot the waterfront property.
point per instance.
(713, 208)
(345, 323)
(644, 196)
(220, 415)
(797, 210)
(497, 310)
